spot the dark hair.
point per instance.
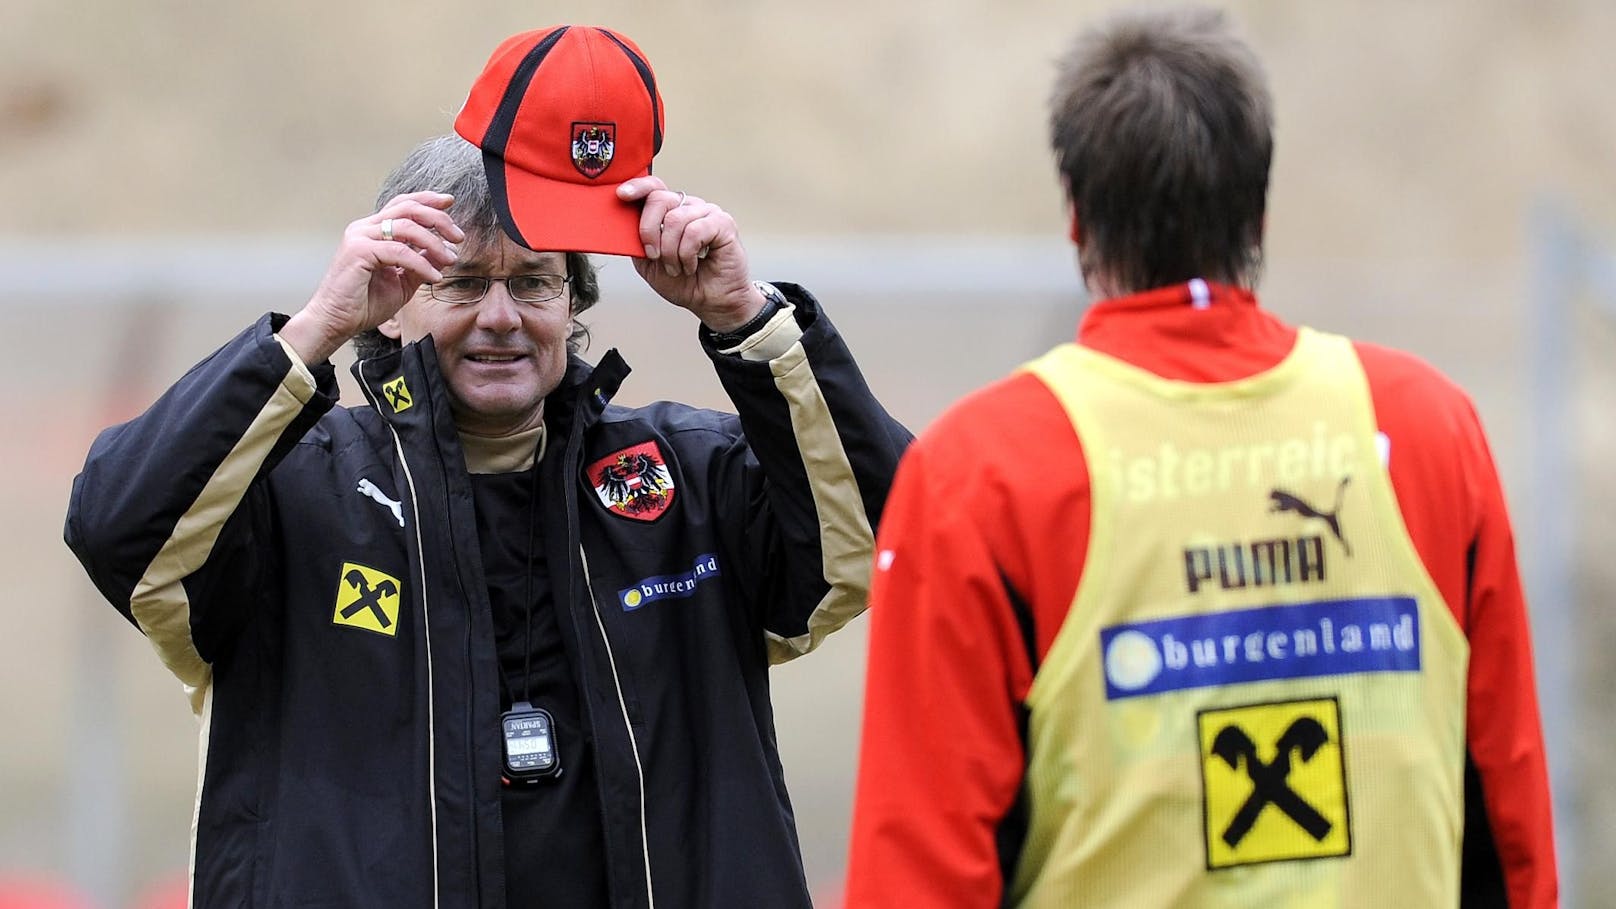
(450, 164)
(1162, 129)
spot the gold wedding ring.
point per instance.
(387, 228)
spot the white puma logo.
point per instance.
(368, 488)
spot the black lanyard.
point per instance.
(532, 752)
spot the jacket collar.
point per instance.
(406, 389)
(1197, 331)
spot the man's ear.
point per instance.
(390, 328)
(1074, 227)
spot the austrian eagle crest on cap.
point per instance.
(633, 482)
(592, 147)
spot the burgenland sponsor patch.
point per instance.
(668, 586)
(1332, 637)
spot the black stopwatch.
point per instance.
(531, 753)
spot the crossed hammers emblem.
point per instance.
(1305, 736)
(397, 395)
(369, 598)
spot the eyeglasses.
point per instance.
(462, 289)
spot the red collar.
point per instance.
(1197, 331)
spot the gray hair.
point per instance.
(450, 164)
(1162, 128)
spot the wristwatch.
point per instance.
(773, 302)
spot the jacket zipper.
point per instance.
(570, 463)
(633, 743)
(470, 692)
(426, 634)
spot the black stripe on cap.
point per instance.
(498, 135)
(650, 87)
(494, 168)
(499, 129)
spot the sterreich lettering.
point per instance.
(1172, 472)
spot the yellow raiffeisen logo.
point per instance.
(368, 599)
(1275, 783)
(398, 395)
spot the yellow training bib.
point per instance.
(1258, 696)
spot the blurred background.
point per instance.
(1443, 182)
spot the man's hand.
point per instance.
(693, 255)
(382, 260)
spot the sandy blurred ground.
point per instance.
(871, 152)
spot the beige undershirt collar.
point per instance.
(505, 454)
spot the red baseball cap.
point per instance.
(564, 114)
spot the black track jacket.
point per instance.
(312, 575)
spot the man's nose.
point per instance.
(498, 311)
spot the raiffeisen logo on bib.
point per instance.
(1335, 637)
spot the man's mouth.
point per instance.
(493, 358)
